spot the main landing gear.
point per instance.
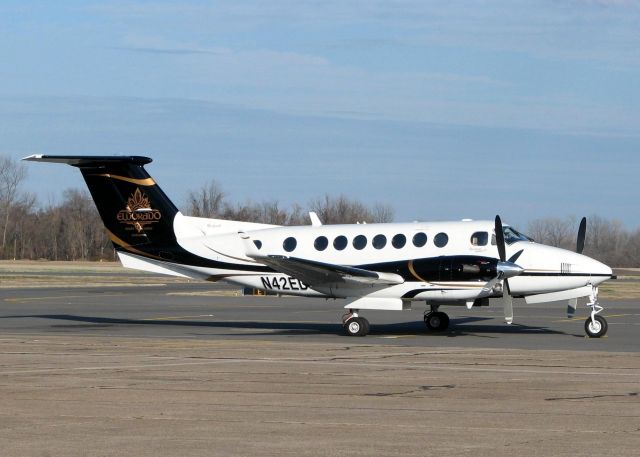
(436, 320)
(355, 325)
(595, 326)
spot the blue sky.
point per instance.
(443, 110)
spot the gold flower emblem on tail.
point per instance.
(138, 214)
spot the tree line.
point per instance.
(72, 230)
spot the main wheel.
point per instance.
(596, 329)
(357, 326)
(438, 321)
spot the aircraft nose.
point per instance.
(582, 264)
(596, 267)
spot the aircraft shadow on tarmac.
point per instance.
(466, 326)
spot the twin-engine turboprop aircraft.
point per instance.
(374, 266)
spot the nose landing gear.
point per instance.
(595, 326)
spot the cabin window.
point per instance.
(360, 242)
(379, 241)
(289, 244)
(480, 239)
(258, 243)
(441, 239)
(321, 243)
(398, 241)
(419, 239)
(340, 242)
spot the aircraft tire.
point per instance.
(356, 326)
(598, 330)
(437, 321)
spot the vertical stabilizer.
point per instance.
(136, 212)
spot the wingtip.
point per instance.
(33, 157)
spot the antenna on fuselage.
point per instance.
(315, 220)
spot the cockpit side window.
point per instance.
(511, 235)
(480, 239)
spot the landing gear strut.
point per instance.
(595, 326)
(436, 320)
(355, 325)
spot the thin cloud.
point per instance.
(171, 51)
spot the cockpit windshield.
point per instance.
(511, 235)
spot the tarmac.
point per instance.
(193, 369)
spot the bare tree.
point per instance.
(72, 229)
(554, 232)
(340, 210)
(632, 251)
(18, 236)
(12, 174)
(208, 201)
(382, 213)
(607, 241)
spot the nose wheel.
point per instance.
(355, 325)
(595, 326)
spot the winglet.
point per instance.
(315, 220)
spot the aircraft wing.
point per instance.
(323, 274)
(320, 274)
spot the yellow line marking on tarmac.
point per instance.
(578, 319)
(395, 337)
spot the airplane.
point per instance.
(381, 266)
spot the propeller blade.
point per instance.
(571, 307)
(507, 302)
(502, 250)
(488, 287)
(582, 231)
(515, 256)
(506, 270)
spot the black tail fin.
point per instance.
(136, 212)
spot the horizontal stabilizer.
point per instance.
(89, 161)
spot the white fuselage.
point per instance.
(546, 269)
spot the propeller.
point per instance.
(506, 269)
(582, 231)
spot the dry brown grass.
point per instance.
(29, 273)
